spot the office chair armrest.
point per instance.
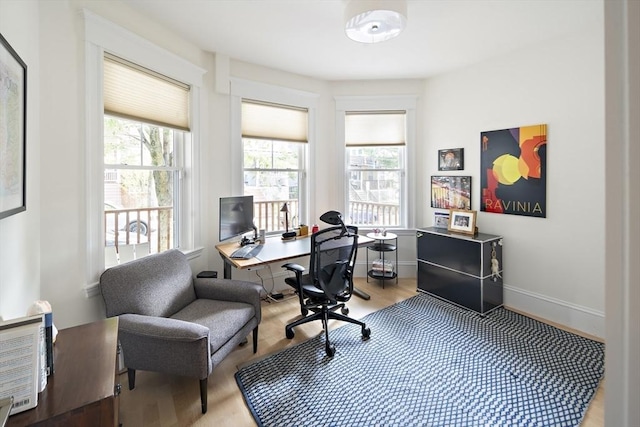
(297, 268)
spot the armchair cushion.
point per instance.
(230, 290)
(222, 318)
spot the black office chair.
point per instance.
(329, 283)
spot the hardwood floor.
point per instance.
(161, 400)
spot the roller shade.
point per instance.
(375, 128)
(134, 92)
(263, 120)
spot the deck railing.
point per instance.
(269, 217)
(139, 225)
(374, 214)
(155, 225)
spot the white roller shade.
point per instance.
(375, 128)
(134, 92)
(271, 121)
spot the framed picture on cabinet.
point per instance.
(451, 159)
(441, 219)
(462, 221)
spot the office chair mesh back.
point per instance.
(332, 260)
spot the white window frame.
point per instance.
(102, 35)
(406, 103)
(246, 89)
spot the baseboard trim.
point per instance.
(573, 316)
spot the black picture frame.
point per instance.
(451, 159)
(451, 192)
(13, 149)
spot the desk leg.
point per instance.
(226, 267)
(362, 294)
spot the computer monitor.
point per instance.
(236, 216)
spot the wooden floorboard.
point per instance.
(161, 400)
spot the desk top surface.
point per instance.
(275, 249)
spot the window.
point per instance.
(140, 169)
(375, 163)
(146, 125)
(103, 37)
(274, 141)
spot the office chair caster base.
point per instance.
(289, 333)
(366, 333)
(331, 350)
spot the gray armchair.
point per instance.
(171, 322)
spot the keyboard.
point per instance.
(246, 252)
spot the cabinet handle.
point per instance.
(419, 235)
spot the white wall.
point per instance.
(554, 267)
(543, 85)
(20, 233)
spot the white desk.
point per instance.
(276, 250)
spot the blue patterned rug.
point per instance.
(429, 363)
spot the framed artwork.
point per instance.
(513, 171)
(13, 129)
(451, 192)
(441, 219)
(451, 159)
(461, 221)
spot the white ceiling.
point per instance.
(307, 36)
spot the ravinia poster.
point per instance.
(513, 171)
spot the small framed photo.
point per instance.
(451, 159)
(462, 221)
(441, 219)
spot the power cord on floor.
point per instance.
(270, 295)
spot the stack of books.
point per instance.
(382, 268)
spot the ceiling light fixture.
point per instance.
(373, 21)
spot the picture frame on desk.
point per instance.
(462, 221)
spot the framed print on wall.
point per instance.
(513, 171)
(451, 159)
(13, 126)
(461, 221)
(451, 192)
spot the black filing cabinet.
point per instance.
(458, 267)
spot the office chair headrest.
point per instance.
(334, 218)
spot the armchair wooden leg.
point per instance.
(203, 395)
(255, 339)
(131, 374)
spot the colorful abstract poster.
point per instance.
(513, 171)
